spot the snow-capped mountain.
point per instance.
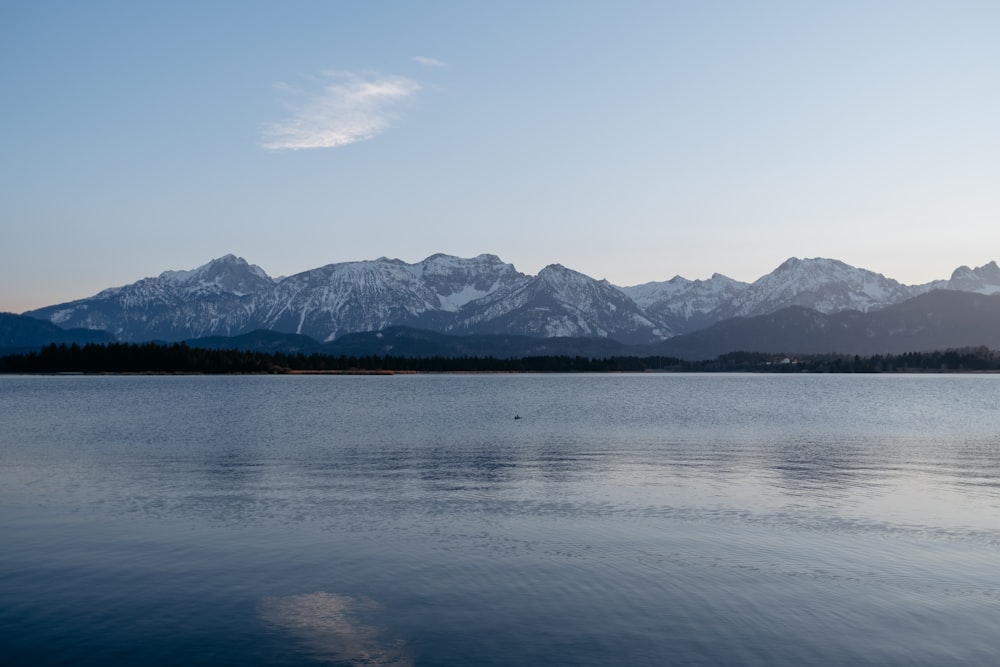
(228, 296)
(457, 281)
(682, 305)
(171, 306)
(824, 285)
(330, 301)
(227, 275)
(982, 280)
(337, 298)
(559, 302)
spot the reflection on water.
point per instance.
(767, 520)
(330, 628)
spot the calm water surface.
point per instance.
(410, 520)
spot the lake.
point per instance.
(658, 519)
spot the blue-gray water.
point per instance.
(410, 520)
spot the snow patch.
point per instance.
(453, 302)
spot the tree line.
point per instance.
(181, 358)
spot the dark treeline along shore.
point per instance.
(181, 358)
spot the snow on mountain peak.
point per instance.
(558, 302)
(229, 274)
(684, 305)
(984, 279)
(458, 280)
(826, 285)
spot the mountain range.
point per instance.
(484, 296)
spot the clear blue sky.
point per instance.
(631, 141)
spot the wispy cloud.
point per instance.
(341, 108)
(429, 62)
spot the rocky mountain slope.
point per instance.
(824, 285)
(982, 280)
(559, 302)
(367, 296)
(681, 305)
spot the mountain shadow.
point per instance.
(937, 320)
(20, 333)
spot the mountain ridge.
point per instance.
(483, 295)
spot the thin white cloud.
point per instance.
(346, 108)
(429, 62)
